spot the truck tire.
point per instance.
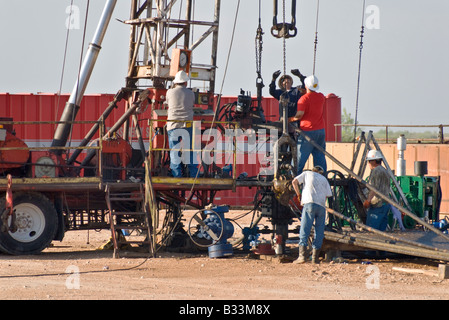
(36, 221)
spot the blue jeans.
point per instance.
(305, 148)
(178, 139)
(312, 212)
(377, 218)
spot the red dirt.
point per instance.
(175, 276)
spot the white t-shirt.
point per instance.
(316, 188)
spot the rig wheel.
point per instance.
(36, 224)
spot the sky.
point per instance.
(404, 66)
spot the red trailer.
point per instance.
(43, 108)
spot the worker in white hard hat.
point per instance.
(180, 101)
(377, 208)
(316, 190)
(310, 114)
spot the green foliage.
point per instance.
(347, 132)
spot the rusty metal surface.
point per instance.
(361, 240)
(53, 184)
(96, 183)
(171, 183)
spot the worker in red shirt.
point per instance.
(310, 114)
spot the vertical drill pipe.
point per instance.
(71, 108)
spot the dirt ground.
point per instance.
(75, 270)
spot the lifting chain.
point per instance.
(284, 47)
(284, 56)
(316, 35)
(259, 80)
(284, 30)
(259, 43)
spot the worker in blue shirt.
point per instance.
(287, 91)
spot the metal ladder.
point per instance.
(367, 141)
(128, 215)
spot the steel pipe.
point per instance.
(73, 104)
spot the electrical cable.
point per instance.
(68, 273)
(64, 61)
(79, 70)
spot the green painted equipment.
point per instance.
(424, 196)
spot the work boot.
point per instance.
(302, 255)
(316, 256)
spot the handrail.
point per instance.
(440, 127)
(233, 151)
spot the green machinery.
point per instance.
(423, 194)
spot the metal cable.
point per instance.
(63, 62)
(358, 74)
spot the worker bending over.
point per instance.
(315, 191)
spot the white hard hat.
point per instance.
(311, 83)
(373, 155)
(181, 77)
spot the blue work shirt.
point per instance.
(293, 94)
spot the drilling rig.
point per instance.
(116, 179)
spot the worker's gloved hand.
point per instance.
(296, 72)
(276, 75)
